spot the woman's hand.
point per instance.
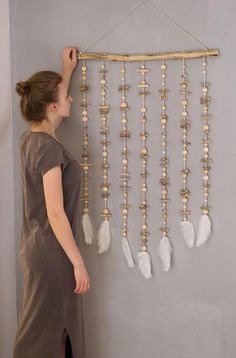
(82, 279)
(69, 58)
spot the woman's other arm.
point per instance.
(52, 184)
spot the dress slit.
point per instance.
(68, 347)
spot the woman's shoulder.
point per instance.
(38, 141)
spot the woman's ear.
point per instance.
(52, 107)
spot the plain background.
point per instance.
(190, 311)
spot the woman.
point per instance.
(53, 270)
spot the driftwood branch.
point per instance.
(148, 56)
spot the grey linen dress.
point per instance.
(49, 304)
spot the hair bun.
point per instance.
(22, 88)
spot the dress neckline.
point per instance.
(41, 132)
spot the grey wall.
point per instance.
(190, 311)
(7, 237)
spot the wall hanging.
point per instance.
(143, 89)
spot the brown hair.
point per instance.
(37, 93)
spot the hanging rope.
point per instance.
(157, 10)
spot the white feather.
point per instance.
(204, 230)
(144, 262)
(127, 252)
(87, 228)
(165, 251)
(188, 232)
(104, 236)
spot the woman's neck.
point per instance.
(44, 126)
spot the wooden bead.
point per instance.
(124, 105)
(144, 150)
(184, 103)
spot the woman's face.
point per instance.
(64, 101)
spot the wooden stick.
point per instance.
(148, 56)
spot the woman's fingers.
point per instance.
(82, 288)
(77, 287)
(70, 53)
(73, 55)
(82, 279)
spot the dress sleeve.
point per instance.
(50, 155)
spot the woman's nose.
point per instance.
(71, 98)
